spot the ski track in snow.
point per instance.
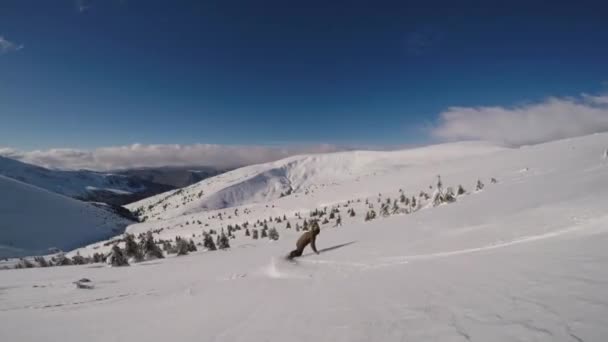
(403, 260)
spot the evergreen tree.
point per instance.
(437, 198)
(273, 234)
(24, 263)
(78, 259)
(181, 246)
(208, 242)
(384, 210)
(264, 233)
(61, 260)
(395, 208)
(352, 212)
(460, 190)
(132, 249)
(149, 249)
(332, 215)
(288, 226)
(479, 185)
(339, 221)
(98, 257)
(254, 234)
(41, 261)
(305, 225)
(247, 233)
(117, 257)
(325, 221)
(224, 242)
(402, 199)
(297, 227)
(493, 180)
(449, 196)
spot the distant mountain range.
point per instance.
(116, 188)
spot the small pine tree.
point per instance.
(493, 180)
(117, 258)
(264, 233)
(339, 221)
(149, 249)
(61, 260)
(208, 242)
(332, 215)
(273, 234)
(78, 259)
(305, 225)
(402, 199)
(132, 250)
(460, 190)
(98, 257)
(395, 208)
(479, 185)
(24, 263)
(288, 225)
(41, 261)
(325, 221)
(254, 234)
(224, 242)
(352, 212)
(384, 210)
(247, 233)
(449, 196)
(181, 246)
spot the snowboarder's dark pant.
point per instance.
(295, 253)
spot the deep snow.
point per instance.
(522, 260)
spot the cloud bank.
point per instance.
(138, 155)
(7, 46)
(551, 119)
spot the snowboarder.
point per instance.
(306, 238)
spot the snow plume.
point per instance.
(554, 118)
(7, 46)
(139, 155)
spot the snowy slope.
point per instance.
(298, 175)
(522, 260)
(32, 220)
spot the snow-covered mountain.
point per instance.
(297, 175)
(523, 259)
(32, 220)
(111, 188)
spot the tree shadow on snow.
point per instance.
(327, 249)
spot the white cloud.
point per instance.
(138, 155)
(554, 118)
(7, 46)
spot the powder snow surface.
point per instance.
(523, 260)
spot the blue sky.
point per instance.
(87, 74)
